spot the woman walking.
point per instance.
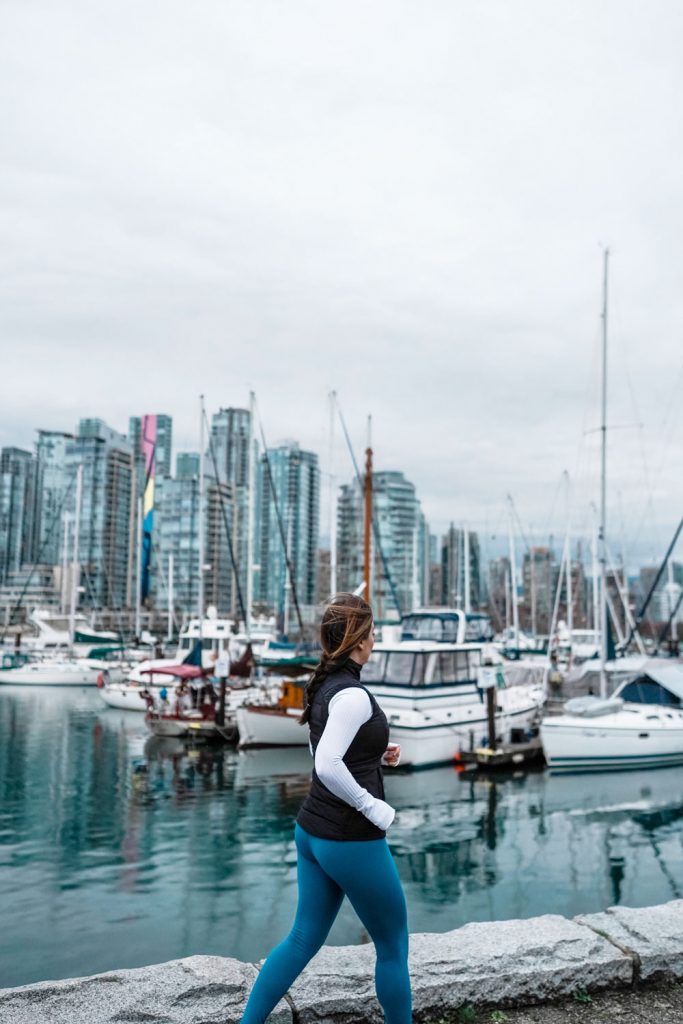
(340, 831)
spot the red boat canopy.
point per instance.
(180, 671)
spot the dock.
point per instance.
(503, 757)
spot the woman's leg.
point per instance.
(319, 900)
(367, 874)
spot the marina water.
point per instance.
(119, 851)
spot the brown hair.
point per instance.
(346, 622)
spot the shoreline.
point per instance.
(501, 964)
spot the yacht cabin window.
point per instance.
(373, 670)
(452, 667)
(644, 691)
(400, 668)
(430, 627)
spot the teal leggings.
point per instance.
(327, 870)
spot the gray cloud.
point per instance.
(401, 201)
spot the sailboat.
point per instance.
(641, 724)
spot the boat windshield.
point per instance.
(644, 691)
(437, 628)
(398, 668)
(455, 667)
(478, 629)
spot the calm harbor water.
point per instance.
(117, 850)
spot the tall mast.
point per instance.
(603, 488)
(250, 518)
(368, 514)
(532, 574)
(671, 603)
(65, 564)
(200, 588)
(332, 508)
(568, 569)
(595, 576)
(513, 577)
(466, 561)
(76, 568)
(170, 597)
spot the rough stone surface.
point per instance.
(196, 990)
(653, 934)
(511, 962)
(482, 965)
(497, 964)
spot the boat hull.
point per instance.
(572, 743)
(270, 727)
(124, 697)
(37, 674)
(172, 727)
(427, 736)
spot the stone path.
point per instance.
(659, 1005)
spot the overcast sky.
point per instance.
(402, 201)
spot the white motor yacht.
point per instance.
(49, 672)
(640, 725)
(431, 695)
(217, 635)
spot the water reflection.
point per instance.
(117, 849)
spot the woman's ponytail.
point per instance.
(346, 621)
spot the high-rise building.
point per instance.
(177, 544)
(187, 465)
(665, 596)
(398, 576)
(289, 484)
(104, 549)
(539, 579)
(460, 548)
(229, 462)
(152, 432)
(51, 485)
(17, 505)
(500, 601)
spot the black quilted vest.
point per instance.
(322, 813)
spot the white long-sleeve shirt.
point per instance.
(348, 710)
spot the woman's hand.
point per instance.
(392, 755)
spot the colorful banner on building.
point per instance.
(148, 442)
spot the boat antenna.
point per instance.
(603, 488)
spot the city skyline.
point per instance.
(493, 530)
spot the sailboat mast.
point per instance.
(250, 517)
(75, 571)
(368, 515)
(200, 587)
(603, 488)
(513, 576)
(332, 507)
(65, 563)
(170, 597)
(466, 561)
(570, 596)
